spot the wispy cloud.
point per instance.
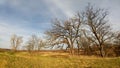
(27, 17)
(64, 6)
(7, 28)
(58, 7)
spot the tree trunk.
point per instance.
(72, 50)
(102, 53)
(78, 49)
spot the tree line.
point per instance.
(87, 31)
(34, 43)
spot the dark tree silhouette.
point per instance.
(66, 31)
(99, 30)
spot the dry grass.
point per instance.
(55, 60)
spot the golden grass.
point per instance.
(55, 60)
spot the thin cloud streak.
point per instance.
(27, 17)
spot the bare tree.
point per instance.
(35, 43)
(32, 43)
(99, 30)
(96, 26)
(41, 44)
(66, 31)
(15, 42)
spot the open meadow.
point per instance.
(59, 34)
(55, 60)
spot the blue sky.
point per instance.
(27, 17)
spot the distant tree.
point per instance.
(41, 44)
(99, 30)
(15, 41)
(32, 43)
(35, 43)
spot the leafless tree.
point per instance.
(99, 30)
(66, 31)
(41, 44)
(32, 43)
(15, 41)
(35, 43)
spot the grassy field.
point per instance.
(55, 60)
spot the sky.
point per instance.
(28, 17)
